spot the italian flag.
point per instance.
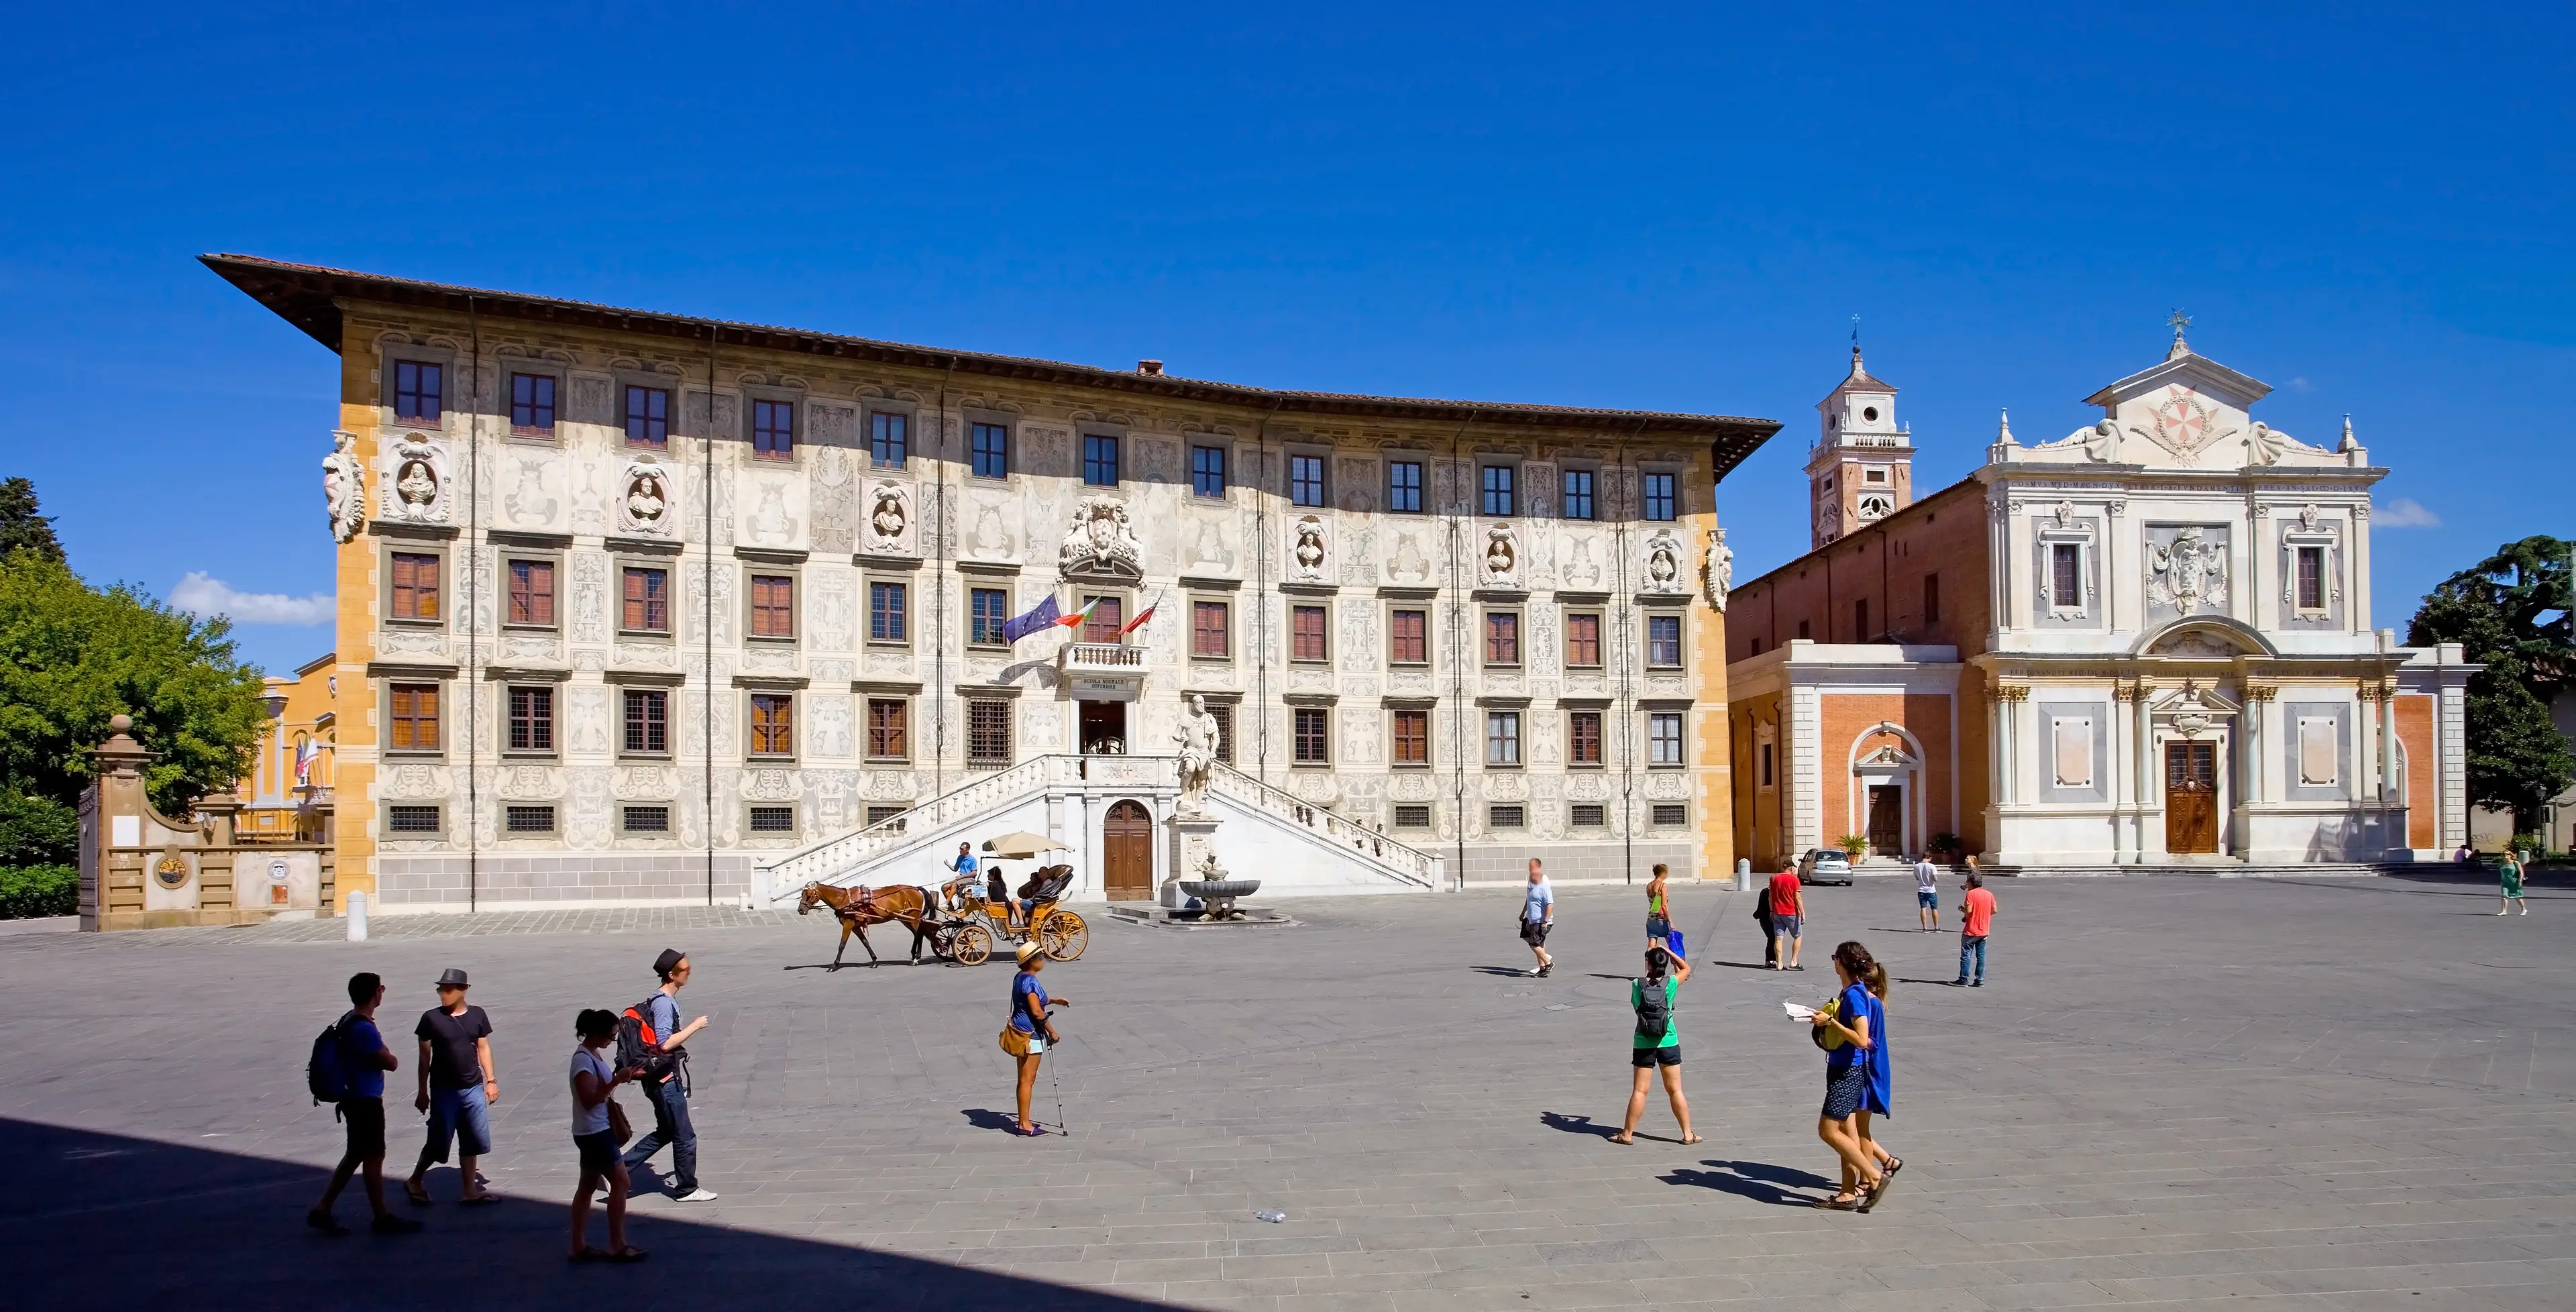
(1078, 618)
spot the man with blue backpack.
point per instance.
(348, 1070)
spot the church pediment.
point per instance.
(2205, 639)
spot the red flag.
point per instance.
(1142, 616)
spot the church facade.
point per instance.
(630, 603)
(2147, 642)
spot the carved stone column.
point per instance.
(2258, 713)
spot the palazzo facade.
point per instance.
(2149, 641)
(631, 602)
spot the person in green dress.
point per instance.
(1649, 1053)
(2510, 869)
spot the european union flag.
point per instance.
(1044, 615)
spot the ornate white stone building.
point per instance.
(643, 607)
(2149, 641)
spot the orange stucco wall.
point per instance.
(2423, 761)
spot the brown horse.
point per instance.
(858, 908)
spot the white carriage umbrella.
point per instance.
(1021, 845)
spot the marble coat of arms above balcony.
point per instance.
(1101, 542)
(414, 481)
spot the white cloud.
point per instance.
(2301, 384)
(2404, 512)
(202, 595)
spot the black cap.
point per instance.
(669, 961)
(451, 978)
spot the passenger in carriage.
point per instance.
(997, 889)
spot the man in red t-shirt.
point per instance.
(1788, 917)
(1976, 917)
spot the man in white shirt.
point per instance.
(1538, 915)
(1927, 894)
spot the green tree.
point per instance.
(2500, 610)
(21, 528)
(71, 656)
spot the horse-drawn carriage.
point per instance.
(961, 921)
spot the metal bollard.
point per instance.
(1743, 874)
(357, 916)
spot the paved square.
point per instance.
(2328, 1093)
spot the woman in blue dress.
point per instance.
(1856, 1079)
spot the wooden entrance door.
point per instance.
(1127, 853)
(1887, 819)
(2191, 797)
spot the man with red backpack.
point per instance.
(649, 1035)
(348, 1070)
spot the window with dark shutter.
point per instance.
(1409, 637)
(648, 601)
(1306, 634)
(1412, 737)
(532, 593)
(773, 606)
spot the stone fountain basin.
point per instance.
(1204, 889)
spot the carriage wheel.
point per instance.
(974, 947)
(1064, 936)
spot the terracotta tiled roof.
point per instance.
(309, 296)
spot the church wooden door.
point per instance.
(1127, 853)
(1887, 819)
(2191, 797)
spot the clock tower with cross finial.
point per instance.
(1861, 468)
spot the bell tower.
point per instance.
(1861, 468)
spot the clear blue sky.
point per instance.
(2369, 208)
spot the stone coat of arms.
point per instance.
(2189, 574)
(1102, 540)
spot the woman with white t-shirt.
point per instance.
(593, 1081)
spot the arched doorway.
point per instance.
(1127, 853)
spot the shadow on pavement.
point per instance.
(1750, 1180)
(1577, 1124)
(103, 1221)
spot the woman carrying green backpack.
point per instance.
(1657, 1044)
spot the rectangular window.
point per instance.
(2312, 578)
(773, 606)
(1224, 714)
(773, 724)
(1583, 640)
(1408, 637)
(532, 403)
(1583, 738)
(887, 613)
(1100, 460)
(1506, 817)
(891, 816)
(1208, 636)
(888, 437)
(773, 819)
(1306, 480)
(1413, 817)
(648, 722)
(1207, 471)
(1413, 737)
(414, 712)
(1106, 619)
(648, 601)
(532, 719)
(645, 819)
(889, 729)
(1578, 493)
(1659, 497)
(1663, 642)
(528, 819)
(415, 587)
(1802, 629)
(1663, 738)
(1314, 736)
(773, 429)
(988, 733)
(532, 593)
(648, 416)
(1404, 490)
(411, 819)
(1766, 764)
(1502, 737)
(418, 391)
(989, 447)
(987, 609)
(1671, 815)
(1931, 599)
(1306, 634)
(2065, 576)
(1502, 638)
(1860, 620)
(1499, 498)
(1587, 815)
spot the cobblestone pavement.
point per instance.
(2334, 1094)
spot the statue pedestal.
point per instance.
(1190, 837)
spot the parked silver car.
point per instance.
(1825, 865)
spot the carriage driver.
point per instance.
(964, 866)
